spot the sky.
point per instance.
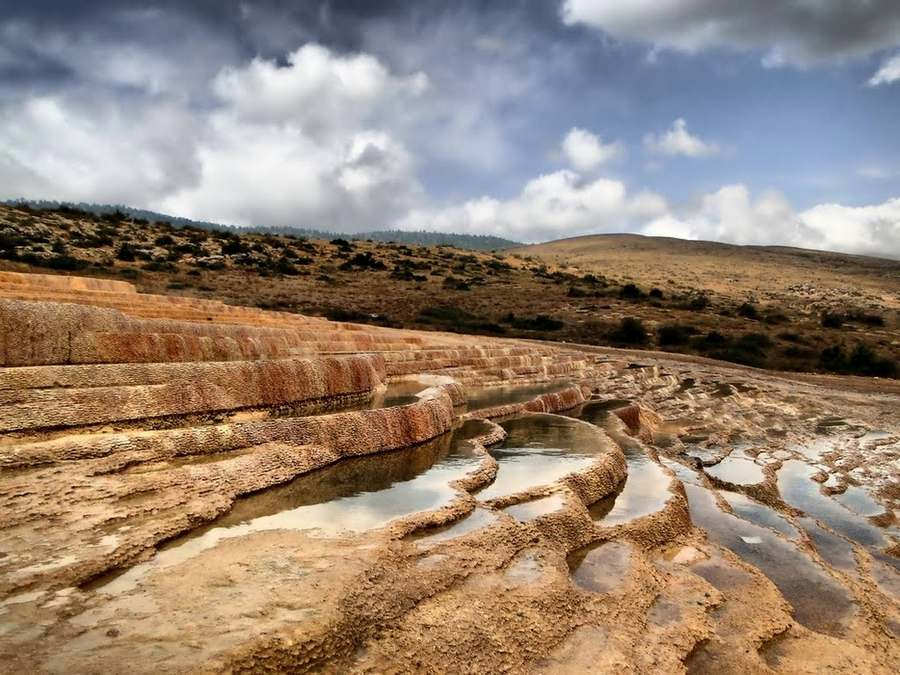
(765, 122)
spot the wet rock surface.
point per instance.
(198, 487)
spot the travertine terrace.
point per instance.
(187, 485)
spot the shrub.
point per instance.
(858, 316)
(656, 293)
(125, 252)
(795, 352)
(458, 320)
(696, 301)
(711, 340)
(791, 337)
(775, 316)
(575, 292)
(164, 240)
(456, 284)
(406, 274)
(158, 266)
(363, 261)
(631, 292)
(863, 360)
(594, 280)
(630, 331)
(233, 247)
(749, 349)
(9, 239)
(342, 244)
(759, 341)
(64, 262)
(541, 322)
(748, 311)
(832, 320)
(674, 334)
(192, 248)
(350, 315)
(284, 266)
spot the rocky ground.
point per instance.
(191, 486)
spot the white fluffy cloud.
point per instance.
(888, 73)
(730, 214)
(551, 206)
(677, 140)
(313, 142)
(71, 148)
(317, 90)
(796, 32)
(586, 151)
(309, 143)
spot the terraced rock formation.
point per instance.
(191, 486)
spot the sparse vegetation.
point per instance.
(443, 288)
(630, 331)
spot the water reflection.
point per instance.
(489, 397)
(538, 450)
(354, 495)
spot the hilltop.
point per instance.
(477, 242)
(773, 308)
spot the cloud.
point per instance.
(551, 206)
(76, 147)
(873, 172)
(888, 73)
(788, 32)
(731, 215)
(586, 151)
(317, 89)
(679, 141)
(311, 142)
(871, 230)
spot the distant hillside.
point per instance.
(475, 242)
(764, 272)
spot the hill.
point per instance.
(765, 271)
(773, 308)
(476, 242)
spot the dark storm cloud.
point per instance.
(799, 32)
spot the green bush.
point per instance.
(631, 292)
(748, 311)
(863, 360)
(630, 331)
(866, 318)
(672, 334)
(832, 320)
(541, 322)
(125, 252)
(456, 284)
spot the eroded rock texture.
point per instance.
(190, 486)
